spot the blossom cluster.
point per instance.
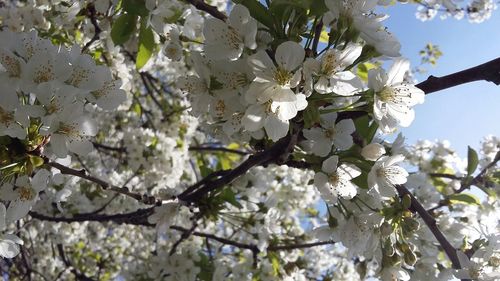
(187, 98)
(48, 88)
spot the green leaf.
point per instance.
(123, 28)
(361, 181)
(206, 266)
(258, 12)
(464, 198)
(318, 8)
(229, 196)
(472, 161)
(136, 108)
(364, 129)
(311, 115)
(363, 69)
(36, 161)
(146, 46)
(275, 262)
(136, 7)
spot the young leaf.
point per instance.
(464, 198)
(146, 47)
(472, 161)
(123, 28)
(311, 116)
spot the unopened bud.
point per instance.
(410, 258)
(373, 151)
(385, 229)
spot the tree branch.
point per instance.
(212, 10)
(214, 148)
(149, 200)
(78, 275)
(97, 30)
(138, 217)
(416, 207)
(489, 71)
(277, 153)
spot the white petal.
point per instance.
(330, 165)
(254, 117)
(8, 248)
(276, 128)
(350, 54)
(18, 209)
(348, 171)
(262, 66)
(290, 55)
(80, 147)
(346, 83)
(377, 79)
(3, 212)
(397, 71)
(58, 145)
(346, 189)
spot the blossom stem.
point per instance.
(416, 207)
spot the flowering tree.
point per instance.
(170, 140)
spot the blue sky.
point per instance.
(463, 114)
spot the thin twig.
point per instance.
(97, 30)
(145, 199)
(212, 10)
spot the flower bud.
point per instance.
(373, 151)
(385, 229)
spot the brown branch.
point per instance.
(477, 179)
(277, 153)
(97, 30)
(145, 199)
(416, 207)
(212, 10)
(138, 217)
(78, 275)
(107, 147)
(489, 71)
(317, 34)
(222, 149)
(134, 218)
(446, 176)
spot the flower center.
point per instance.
(329, 64)
(106, 88)
(334, 178)
(78, 76)
(220, 107)
(234, 38)
(11, 65)
(6, 117)
(26, 193)
(387, 94)
(330, 133)
(282, 76)
(67, 130)
(44, 73)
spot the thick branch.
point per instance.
(416, 207)
(138, 217)
(277, 153)
(489, 71)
